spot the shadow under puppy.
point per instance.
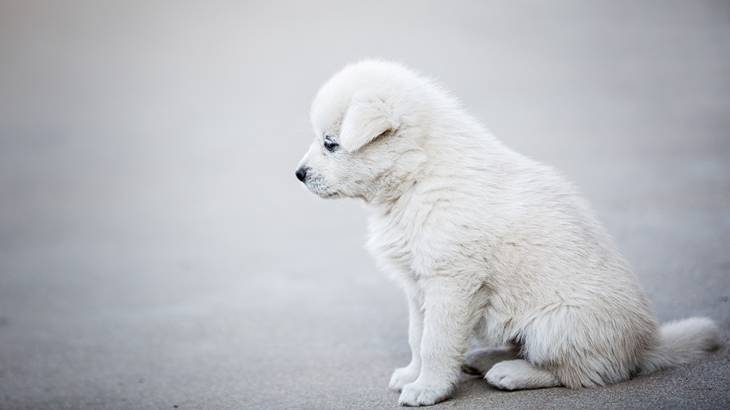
(485, 242)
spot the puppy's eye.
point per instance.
(330, 144)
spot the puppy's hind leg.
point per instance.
(477, 362)
(520, 374)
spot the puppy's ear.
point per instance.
(367, 117)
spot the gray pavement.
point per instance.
(157, 252)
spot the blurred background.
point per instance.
(156, 250)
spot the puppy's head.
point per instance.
(363, 147)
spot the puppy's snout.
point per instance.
(302, 173)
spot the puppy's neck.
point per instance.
(384, 201)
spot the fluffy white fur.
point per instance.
(486, 243)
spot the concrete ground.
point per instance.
(157, 252)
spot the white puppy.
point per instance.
(485, 242)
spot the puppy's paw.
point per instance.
(504, 376)
(519, 374)
(424, 394)
(403, 376)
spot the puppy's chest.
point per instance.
(401, 246)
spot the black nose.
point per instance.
(301, 173)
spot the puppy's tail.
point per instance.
(681, 342)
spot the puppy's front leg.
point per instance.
(449, 317)
(408, 374)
